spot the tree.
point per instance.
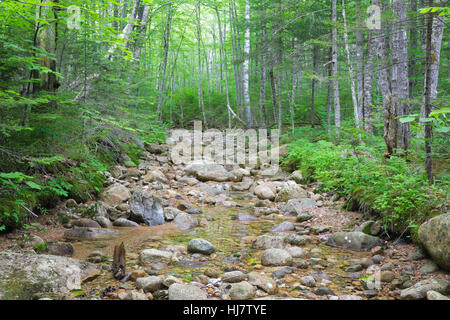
(248, 111)
(337, 105)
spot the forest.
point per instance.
(356, 90)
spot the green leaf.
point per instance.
(33, 185)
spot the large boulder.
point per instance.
(186, 292)
(205, 171)
(291, 191)
(295, 206)
(265, 191)
(276, 257)
(115, 195)
(356, 240)
(435, 237)
(154, 256)
(155, 175)
(268, 242)
(89, 233)
(297, 176)
(122, 222)
(263, 282)
(22, 276)
(200, 246)
(185, 221)
(242, 291)
(146, 208)
(419, 290)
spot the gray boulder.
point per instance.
(419, 290)
(276, 257)
(115, 195)
(284, 226)
(22, 276)
(295, 206)
(146, 208)
(200, 246)
(179, 291)
(89, 233)
(356, 240)
(185, 221)
(242, 291)
(435, 237)
(122, 222)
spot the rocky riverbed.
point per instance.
(206, 231)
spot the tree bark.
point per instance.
(400, 81)
(357, 111)
(337, 105)
(248, 111)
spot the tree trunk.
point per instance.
(313, 84)
(436, 41)
(427, 94)
(294, 83)
(248, 111)
(400, 81)
(162, 75)
(262, 79)
(357, 111)
(225, 68)
(337, 105)
(367, 84)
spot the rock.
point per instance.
(350, 297)
(234, 276)
(265, 191)
(242, 186)
(387, 276)
(71, 203)
(284, 226)
(297, 240)
(417, 254)
(387, 266)
(324, 291)
(370, 293)
(296, 206)
(419, 290)
(146, 208)
(296, 252)
(135, 295)
(291, 191)
(155, 175)
(185, 221)
(169, 280)
(429, 268)
(435, 237)
(354, 268)
(170, 213)
(149, 284)
(297, 176)
(308, 281)
(153, 256)
(200, 246)
(136, 274)
(280, 273)
(370, 227)
(186, 292)
(115, 195)
(303, 216)
(191, 181)
(122, 222)
(433, 295)
(194, 211)
(24, 275)
(31, 241)
(88, 233)
(262, 282)
(86, 223)
(276, 257)
(244, 217)
(103, 221)
(354, 241)
(320, 229)
(267, 242)
(205, 171)
(60, 249)
(242, 291)
(156, 148)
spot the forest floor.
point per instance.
(242, 229)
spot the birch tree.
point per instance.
(248, 111)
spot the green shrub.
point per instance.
(396, 190)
